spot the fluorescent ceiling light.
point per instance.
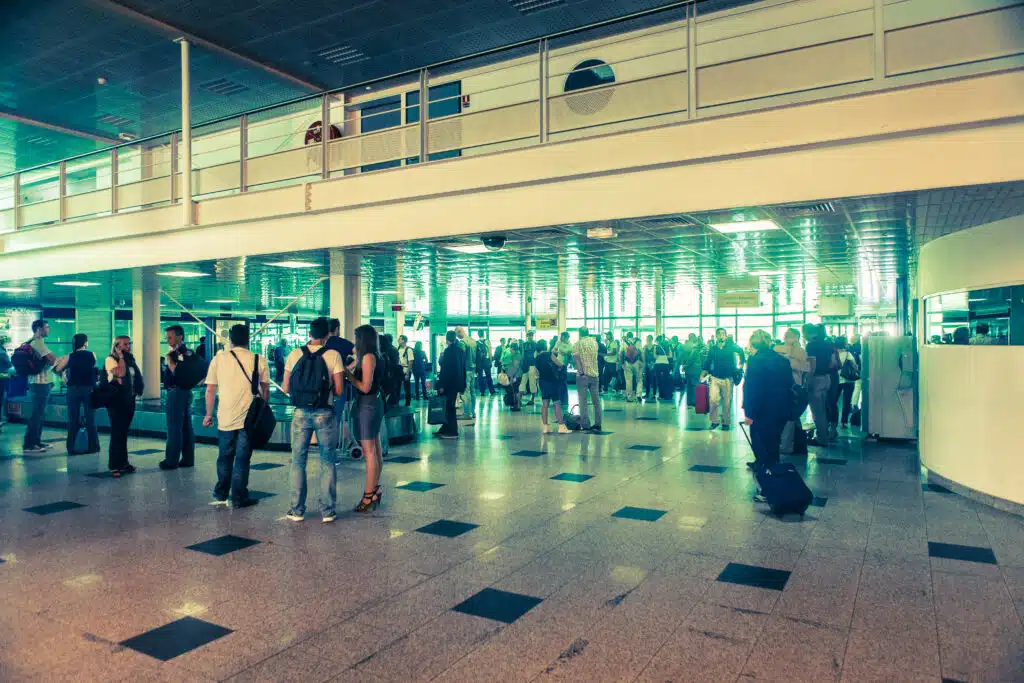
(221, 301)
(978, 299)
(467, 248)
(183, 273)
(14, 290)
(735, 227)
(385, 291)
(293, 264)
(76, 283)
(766, 273)
(602, 233)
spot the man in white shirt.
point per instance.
(39, 387)
(584, 355)
(312, 379)
(229, 377)
(405, 357)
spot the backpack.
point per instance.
(631, 354)
(190, 371)
(26, 361)
(310, 383)
(482, 359)
(849, 370)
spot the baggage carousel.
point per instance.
(402, 424)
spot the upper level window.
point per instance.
(588, 74)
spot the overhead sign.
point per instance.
(546, 322)
(739, 284)
(739, 299)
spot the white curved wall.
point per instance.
(972, 397)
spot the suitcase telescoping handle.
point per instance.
(743, 428)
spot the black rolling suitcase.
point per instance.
(782, 487)
(666, 387)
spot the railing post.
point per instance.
(174, 162)
(879, 58)
(62, 190)
(186, 136)
(424, 115)
(113, 181)
(17, 200)
(325, 137)
(542, 58)
(691, 61)
(243, 152)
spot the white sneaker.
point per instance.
(219, 502)
(295, 517)
(562, 429)
(326, 519)
(34, 449)
(46, 446)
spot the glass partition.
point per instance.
(980, 317)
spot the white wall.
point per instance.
(972, 397)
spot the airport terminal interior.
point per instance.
(710, 178)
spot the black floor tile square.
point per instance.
(529, 454)
(504, 437)
(829, 461)
(51, 508)
(644, 447)
(569, 476)
(498, 605)
(967, 553)
(176, 638)
(612, 410)
(758, 577)
(935, 488)
(819, 502)
(648, 419)
(260, 466)
(152, 451)
(419, 486)
(642, 514)
(952, 680)
(223, 545)
(447, 528)
(402, 460)
(260, 495)
(713, 469)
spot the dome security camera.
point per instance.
(494, 242)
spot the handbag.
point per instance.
(436, 409)
(260, 422)
(503, 379)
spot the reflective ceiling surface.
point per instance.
(107, 67)
(852, 245)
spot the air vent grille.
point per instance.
(222, 86)
(532, 6)
(806, 209)
(114, 120)
(342, 55)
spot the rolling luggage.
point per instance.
(436, 407)
(702, 403)
(666, 387)
(784, 489)
(572, 420)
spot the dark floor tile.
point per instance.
(529, 454)
(642, 514)
(714, 469)
(644, 447)
(648, 419)
(176, 638)
(419, 486)
(829, 461)
(498, 605)
(153, 451)
(952, 680)
(504, 437)
(51, 508)
(612, 410)
(260, 495)
(967, 553)
(401, 460)
(819, 502)
(265, 466)
(758, 577)
(569, 476)
(223, 545)
(935, 488)
(447, 528)
(600, 433)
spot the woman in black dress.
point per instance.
(125, 380)
(368, 412)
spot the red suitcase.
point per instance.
(701, 399)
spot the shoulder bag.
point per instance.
(259, 420)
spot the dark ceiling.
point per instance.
(252, 53)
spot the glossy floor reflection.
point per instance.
(589, 560)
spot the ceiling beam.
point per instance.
(57, 129)
(170, 29)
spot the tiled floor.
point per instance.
(509, 556)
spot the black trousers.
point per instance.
(421, 385)
(484, 381)
(832, 408)
(451, 423)
(121, 414)
(407, 387)
(846, 392)
(765, 439)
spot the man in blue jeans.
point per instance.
(346, 350)
(313, 381)
(39, 387)
(181, 439)
(230, 377)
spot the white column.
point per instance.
(344, 290)
(659, 303)
(186, 136)
(399, 298)
(146, 333)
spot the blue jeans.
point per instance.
(304, 424)
(40, 394)
(233, 466)
(181, 440)
(79, 400)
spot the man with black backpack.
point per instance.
(313, 379)
(34, 360)
(185, 370)
(483, 363)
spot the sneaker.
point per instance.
(164, 465)
(294, 516)
(562, 429)
(726, 427)
(329, 517)
(218, 501)
(595, 429)
(758, 498)
(45, 446)
(247, 503)
(447, 436)
(34, 449)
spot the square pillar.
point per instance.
(344, 289)
(147, 337)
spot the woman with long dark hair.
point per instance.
(368, 411)
(126, 381)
